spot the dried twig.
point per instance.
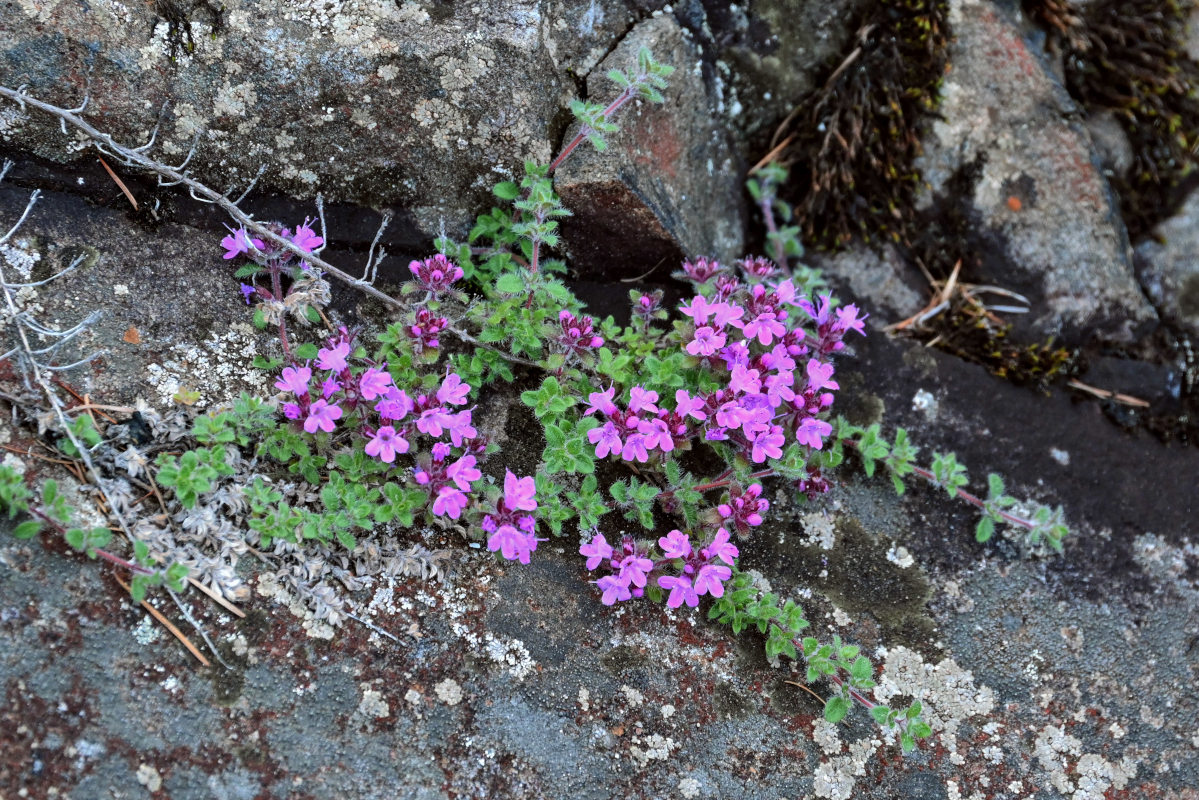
(170, 626)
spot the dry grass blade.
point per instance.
(170, 626)
(216, 596)
(120, 184)
(1118, 397)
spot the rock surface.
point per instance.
(667, 186)
(384, 103)
(1045, 223)
(1168, 267)
(516, 681)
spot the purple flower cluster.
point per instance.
(577, 334)
(751, 336)
(426, 328)
(239, 242)
(436, 274)
(641, 427)
(338, 388)
(678, 566)
(510, 522)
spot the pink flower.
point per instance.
(635, 568)
(330, 387)
(710, 579)
(295, 380)
(449, 502)
(687, 406)
(597, 551)
(395, 406)
(605, 439)
(460, 427)
(699, 310)
(463, 472)
(374, 383)
(614, 589)
(601, 401)
(675, 544)
(433, 421)
(240, 242)
(778, 389)
(848, 320)
(681, 591)
(657, 435)
(292, 411)
(306, 238)
(321, 415)
(634, 449)
(820, 376)
(334, 359)
(811, 432)
(435, 274)
(721, 548)
(519, 493)
(764, 326)
(706, 342)
(641, 400)
(453, 391)
(513, 545)
(745, 380)
(385, 444)
(768, 445)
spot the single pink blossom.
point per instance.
(322, 415)
(295, 380)
(519, 493)
(385, 444)
(597, 551)
(449, 502)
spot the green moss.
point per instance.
(853, 143)
(1128, 57)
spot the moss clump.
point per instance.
(1128, 57)
(852, 143)
(970, 332)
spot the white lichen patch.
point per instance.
(947, 691)
(22, 255)
(147, 775)
(836, 778)
(218, 369)
(900, 556)
(146, 632)
(632, 696)
(1075, 774)
(925, 403)
(449, 692)
(373, 704)
(654, 747)
(510, 653)
(819, 529)
(827, 735)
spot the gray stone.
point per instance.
(1168, 266)
(668, 185)
(417, 103)
(1042, 205)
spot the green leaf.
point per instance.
(176, 577)
(506, 190)
(138, 585)
(836, 708)
(985, 529)
(75, 538)
(860, 670)
(267, 364)
(27, 529)
(306, 352)
(881, 714)
(510, 283)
